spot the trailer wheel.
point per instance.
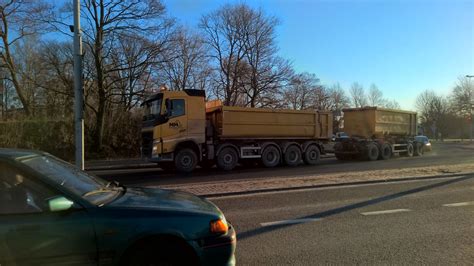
(385, 151)
(312, 155)
(410, 150)
(418, 149)
(292, 155)
(227, 159)
(185, 160)
(271, 156)
(372, 152)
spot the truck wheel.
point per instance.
(410, 150)
(312, 155)
(386, 151)
(372, 152)
(227, 159)
(185, 160)
(418, 149)
(292, 155)
(271, 156)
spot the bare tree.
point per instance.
(187, 64)
(433, 111)
(462, 98)
(375, 96)
(358, 97)
(223, 34)
(19, 18)
(298, 95)
(108, 24)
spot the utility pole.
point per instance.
(78, 91)
(472, 107)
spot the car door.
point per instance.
(32, 234)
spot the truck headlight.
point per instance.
(156, 148)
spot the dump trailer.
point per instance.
(181, 130)
(377, 133)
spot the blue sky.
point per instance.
(403, 46)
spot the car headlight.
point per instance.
(428, 144)
(219, 226)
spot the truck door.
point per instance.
(176, 128)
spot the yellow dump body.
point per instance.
(373, 121)
(263, 123)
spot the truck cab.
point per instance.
(172, 121)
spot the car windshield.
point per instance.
(81, 184)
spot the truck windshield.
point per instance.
(152, 108)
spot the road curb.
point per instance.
(368, 182)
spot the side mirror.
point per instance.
(168, 107)
(59, 203)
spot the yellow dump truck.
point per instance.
(180, 130)
(376, 133)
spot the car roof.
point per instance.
(17, 153)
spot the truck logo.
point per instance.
(175, 124)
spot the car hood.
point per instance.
(161, 199)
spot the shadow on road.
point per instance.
(262, 230)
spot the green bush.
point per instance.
(55, 137)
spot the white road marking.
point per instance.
(294, 221)
(385, 212)
(459, 204)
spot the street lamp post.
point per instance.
(78, 93)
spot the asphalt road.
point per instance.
(443, 153)
(415, 222)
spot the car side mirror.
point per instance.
(60, 203)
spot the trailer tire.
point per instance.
(418, 149)
(271, 156)
(385, 152)
(312, 155)
(410, 150)
(292, 155)
(372, 152)
(227, 159)
(185, 160)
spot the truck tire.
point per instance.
(372, 152)
(385, 152)
(227, 159)
(312, 155)
(185, 160)
(410, 150)
(271, 156)
(292, 155)
(418, 149)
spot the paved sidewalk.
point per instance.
(273, 183)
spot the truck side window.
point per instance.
(177, 107)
